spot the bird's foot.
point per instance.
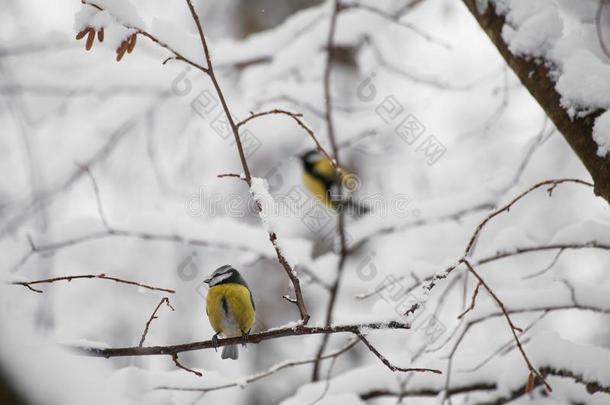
(244, 338)
(215, 342)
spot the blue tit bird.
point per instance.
(230, 307)
(322, 181)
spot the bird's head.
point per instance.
(222, 274)
(310, 157)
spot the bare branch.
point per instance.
(472, 302)
(96, 190)
(261, 375)
(454, 216)
(427, 392)
(396, 18)
(190, 370)
(114, 232)
(387, 362)
(523, 250)
(154, 316)
(238, 176)
(512, 326)
(506, 346)
(536, 77)
(334, 290)
(296, 117)
(547, 268)
(551, 183)
(298, 330)
(114, 139)
(102, 276)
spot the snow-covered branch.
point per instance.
(537, 76)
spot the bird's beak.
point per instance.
(208, 280)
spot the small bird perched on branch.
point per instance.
(321, 179)
(230, 307)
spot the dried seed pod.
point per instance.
(119, 55)
(132, 43)
(121, 50)
(100, 35)
(82, 33)
(90, 38)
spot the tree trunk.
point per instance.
(578, 132)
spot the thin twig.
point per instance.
(472, 302)
(387, 363)
(530, 249)
(263, 374)
(334, 291)
(114, 232)
(190, 370)
(297, 118)
(154, 316)
(326, 382)
(506, 346)
(395, 18)
(547, 268)
(551, 183)
(512, 326)
(238, 176)
(98, 198)
(102, 276)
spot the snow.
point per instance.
(268, 207)
(91, 17)
(601, 134)
(123, 10)
(564, 34)
(584, 82)
(269, 215)
(539, 27)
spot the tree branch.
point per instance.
(328, 116)
(387, 363)
(248, 177)
(259, 376)
(513, 327)
(153, 316)
(551, 183)
(102, 276)
(537, 79)
(297, 118)
(299, 330)
(179, 365)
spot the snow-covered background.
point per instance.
(437, 128)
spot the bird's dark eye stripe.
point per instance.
(223, 273)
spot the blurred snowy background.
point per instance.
(436, 126)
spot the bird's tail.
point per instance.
(230, 352)
(352, 208)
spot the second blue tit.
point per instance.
(322, 181)
(230, 306)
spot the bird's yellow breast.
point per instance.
(317, 189)
(320, 189)
(230, 303)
